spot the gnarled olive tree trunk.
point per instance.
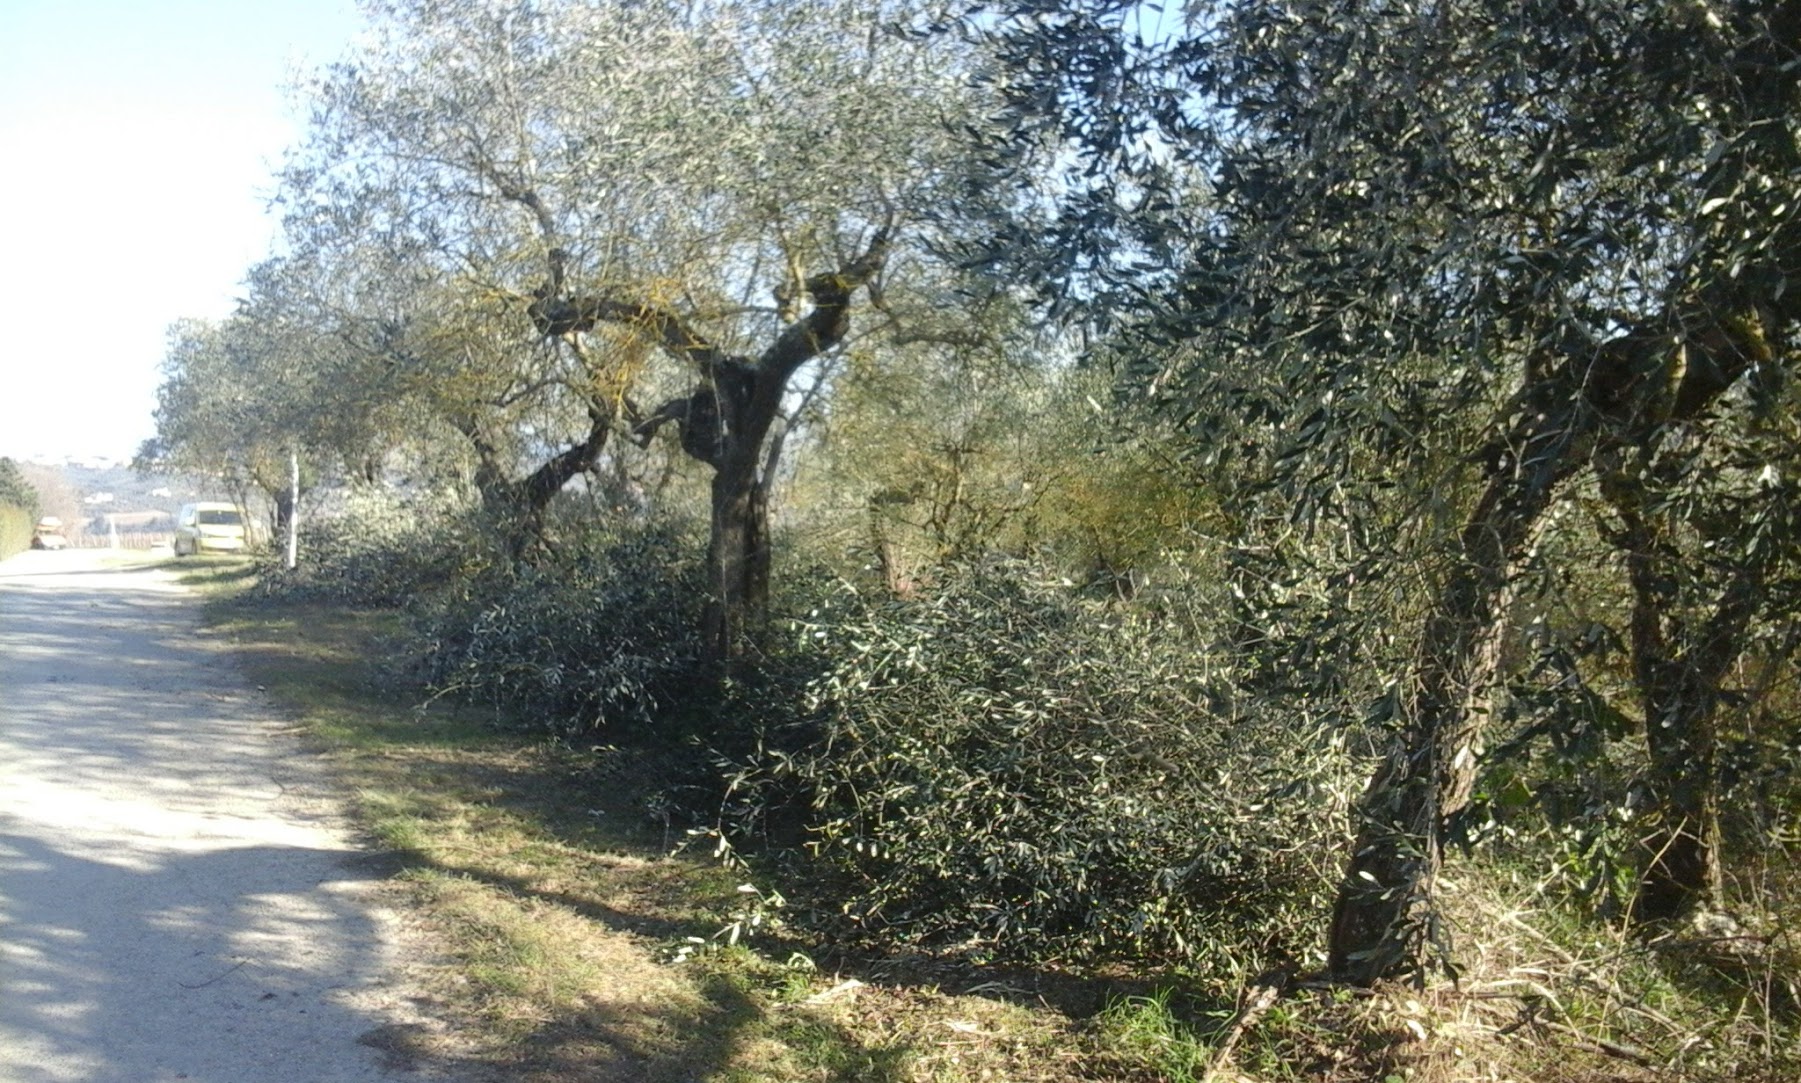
(516, 506)
(1383, 918)
(726, 423)
(1587, 407)
(1680, 662)
(1679, 686)
(738, 555)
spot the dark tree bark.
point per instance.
(1587, 408)
(517, 505)
(738, 554)
(1680, 689)
(1383, 919)
(726, 423)
(282, 497)
(1680, 665)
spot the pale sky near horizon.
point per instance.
(138, 140)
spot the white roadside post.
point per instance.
(293, 509)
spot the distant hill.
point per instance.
(84, 493)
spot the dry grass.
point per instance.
(1541, 997)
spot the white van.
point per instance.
(48, 534)
(209, 527)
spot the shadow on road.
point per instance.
(176, 899)
(226, 965)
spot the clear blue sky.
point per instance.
(138, 139)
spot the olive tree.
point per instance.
(1448, 260)
(443, 169)
(229, 407)
(722, 185)
(284, 374)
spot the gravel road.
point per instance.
(178, 898)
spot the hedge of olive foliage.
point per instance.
(602, 633)
(1004, 764)
(1007, 766)
(382, 551)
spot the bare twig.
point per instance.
(1618, 1050)
(1263, 993)
(221, 976)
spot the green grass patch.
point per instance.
(213, 575)
(1145, 1032)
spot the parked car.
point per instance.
(48, 534)
(209, 527)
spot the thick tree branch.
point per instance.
(672, 333)
(697, 416)
(644, 429)
(537, 488)
(825, 326)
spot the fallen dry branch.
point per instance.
(1591, 1044)
(1263, 993)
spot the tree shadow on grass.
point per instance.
(743, 1025)
(728, 1034)
(558, 800)
(603, 805)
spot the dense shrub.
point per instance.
(15, 491)
(604, 632)
(15, 530)
(382, 549)
(1009, 767)
(1005, 763)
